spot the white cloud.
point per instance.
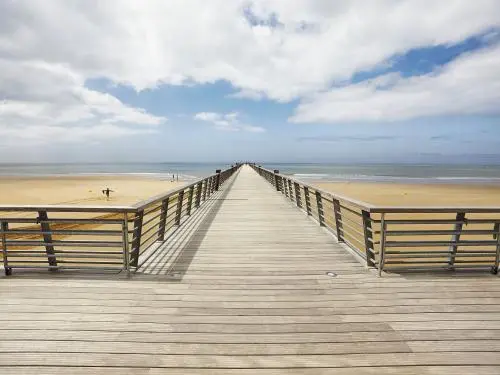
(227, 122)
(294, 49)
(468, 85)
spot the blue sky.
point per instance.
(412, 84)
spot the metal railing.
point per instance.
(400, 238)
(97, 237)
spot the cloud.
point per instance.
(266, 49)
(356, 138)
(227, 122)
(278, 49)
(468, 85)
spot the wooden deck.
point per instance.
(243, 289)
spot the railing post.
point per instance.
(290, 189)
(368, 234)
(285, 186)
(297, 194)
(190, 200)
(338, 220)
(496, 230)
(455, 237)
(276, 179)
(47, 238)
(205, 188)
(136, 238)
(163, 219)
(319, 204)
(126, 253)
(308, 200)
(382, 244)
(217, 179)
(198, 194)
(178, 213)
(4, 227)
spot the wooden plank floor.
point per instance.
(242, 289)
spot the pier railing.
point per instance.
(400, 238)
(97, 237)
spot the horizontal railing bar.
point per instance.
(437, 261)
(344, 224)
(438, 232)
(431, 209)
(23, 266)
(12, 256)
(64, 243)
(62, 221)
(439, 243)
(439, 221)
(66, 208)
(354, 212)
(444, 255)
(67, 232)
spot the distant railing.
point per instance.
(400, 238)
(97, 237)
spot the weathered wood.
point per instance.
(308, 200)
(217, 179)
(460, 217)
(290, 190)
(338, 220)
(4, 227)
(198, 194)
(297, 194)
(190, 201)
(47, 238)
(368, 237)
(163, 219)
(319, 204)
(178, 212)
(136, 239)
(205, 189)
(277, 179)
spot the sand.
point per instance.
(80, 190)
(395, 194)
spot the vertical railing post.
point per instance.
(285, 186)
(276, 179)
(383, 229)
(126, 253)
(297, 194)
(321, 213)
(455, 237)
(198, 194)
(190, 200)
(178, 213)
(4, 227)
(47, 238)
(205, 188)
(368, 234)
(217, 179)
(338, 220)
(308, 200)
(290, 189)
(136, 238)
(496, 230)
(163, 219)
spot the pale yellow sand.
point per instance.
(417, 194)
(80, 190)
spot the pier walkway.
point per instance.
(249, 286)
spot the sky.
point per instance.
(228, 80)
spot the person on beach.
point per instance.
(106, 192)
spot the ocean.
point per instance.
(308, 172)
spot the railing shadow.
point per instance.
(172, 259)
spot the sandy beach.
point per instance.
(417, 194)
(81, 190)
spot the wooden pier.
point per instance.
(246, 284)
